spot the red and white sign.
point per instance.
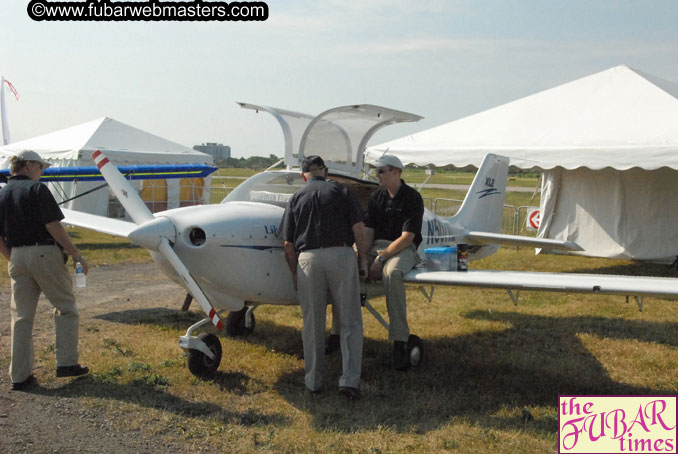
(533, 218)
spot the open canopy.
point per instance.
(338, 135)
(618, 118)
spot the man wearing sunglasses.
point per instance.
(393, 228)
(32, 239)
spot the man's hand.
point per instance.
(375, 270)
(83, 261)
(362, 268)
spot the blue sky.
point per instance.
(439, 59)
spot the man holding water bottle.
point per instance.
(35, 245)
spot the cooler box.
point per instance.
(441, 258)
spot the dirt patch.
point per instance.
(49, 420)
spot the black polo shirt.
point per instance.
(25, 207)
(390, 217)
(320, 214)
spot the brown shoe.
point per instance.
(30, 383)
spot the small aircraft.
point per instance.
(230, 258)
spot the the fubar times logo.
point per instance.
(617, 424)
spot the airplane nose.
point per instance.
(149, 234)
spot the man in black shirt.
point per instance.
(395, 213)
(319, 226)
(30, 236)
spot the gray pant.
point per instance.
(334, 269)
(392, 279)
(33, 269)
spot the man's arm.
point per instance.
(61, 236)
(360, 236)
(4, 250)
(400, 243)
(291, 256)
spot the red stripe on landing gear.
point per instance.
(212, 313)
(219, 325)
(96, 154)
(102, 163)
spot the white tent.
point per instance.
(123, 144)
(608, 145)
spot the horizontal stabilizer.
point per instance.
(98, 223)
(487, 238)
(604, 284)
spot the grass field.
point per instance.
(489, 382)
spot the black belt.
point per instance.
(335, 244)
(328, 245)
(49, 242)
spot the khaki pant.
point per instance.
(33, 269)
(334, 269)
(392, 279)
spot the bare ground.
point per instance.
(49, 419)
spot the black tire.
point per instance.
(200, 364)
(235, 323)
(416, 349)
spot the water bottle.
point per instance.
(80, 278)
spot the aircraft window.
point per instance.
(197, 236)
(273, 187)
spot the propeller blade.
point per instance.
(166, 250)
(123, 190)
(154, 232)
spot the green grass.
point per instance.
(489, 382)
(442, 176)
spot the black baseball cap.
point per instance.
(310, 160)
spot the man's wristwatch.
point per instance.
(381, 259)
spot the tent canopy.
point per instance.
(618, 118)
(122, 144)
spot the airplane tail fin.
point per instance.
(484, 202)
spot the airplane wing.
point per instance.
(98, 223)
(557, 282)
(488, 238)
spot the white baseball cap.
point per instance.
(30, 155)
(387, 160)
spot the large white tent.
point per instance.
(123, 144)
(608, 145)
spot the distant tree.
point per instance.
(253, 162)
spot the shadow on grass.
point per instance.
(146, 395)
(158, 316)
(634, 269)
(487, 379)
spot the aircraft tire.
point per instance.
(200, 364)
(416, 349)
(235, 323)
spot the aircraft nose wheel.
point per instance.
(415, 347)
(199, 363)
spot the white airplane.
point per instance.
(230, 258)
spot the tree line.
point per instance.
(253, 162)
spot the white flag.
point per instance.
(3, 108)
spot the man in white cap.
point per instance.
(34, 241)
(393, 227)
